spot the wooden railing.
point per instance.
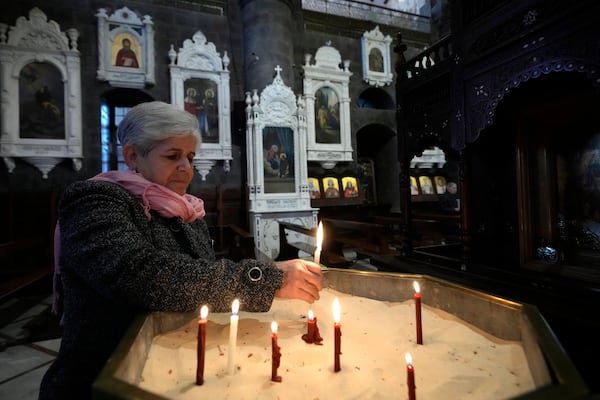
(440, 53)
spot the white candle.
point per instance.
(233, 327)
(319, 243)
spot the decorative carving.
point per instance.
(327, 100)
(40, 93)
(200, 84)
(517, 25)
(276, 155)
(376, 58)
(125, 49)
(277, 166)
(546, 57)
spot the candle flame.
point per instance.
(336, 310)
(235, 307)
(408, 358)
(204, 312)
(311, 315)
(417, 287)
(274, 326)
(320, 236)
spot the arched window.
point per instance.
(375, 98)
(114, 105)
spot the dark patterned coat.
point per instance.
(115, 263)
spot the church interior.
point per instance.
(356, 114)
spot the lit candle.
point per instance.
(337, 349)
(233, 326)
(201, 345)
(418, 312)
(319, 243)
(275, 354)
(410, 378)
(312, 335)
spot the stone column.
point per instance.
(268, 28)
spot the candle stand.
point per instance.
(554, 375)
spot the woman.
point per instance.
(134, 241)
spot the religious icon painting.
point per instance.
(327, 104)
(440, 184)
(414, 188)
(350, 186)
(41, 102)
(331, 189)
(327, 115)
(376, 58)
(41, 93)
(278, 160)
(125, 48)
(200, 85)
(200, 99)
(313, 188)
(426, 185)
(126, 51)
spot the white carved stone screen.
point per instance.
(125, 49)
(200, 85)
(376, 58)
(41, 93)
(277, 165)
(327, 100)
(276, 149)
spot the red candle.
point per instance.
(201, 345)
(418, 312)
(337, 329)
(275, 354)
(312, 335)
(410, 378)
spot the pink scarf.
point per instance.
(156, 197)
(152, 196)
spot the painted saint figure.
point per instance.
(331, 192)
(126, 56)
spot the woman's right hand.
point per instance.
(301, 280)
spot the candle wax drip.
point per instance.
(313, 335)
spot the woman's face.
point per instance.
(169, 163)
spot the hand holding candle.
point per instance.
(275, 354)
(337, 328)
(233, 327)
(319, 244)
(418, 312)
(410, 378)
(201, 345)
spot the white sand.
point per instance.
(456, 361)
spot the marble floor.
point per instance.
(29, 342)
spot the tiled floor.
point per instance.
(29, 340)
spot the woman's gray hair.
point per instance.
(148, 124)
